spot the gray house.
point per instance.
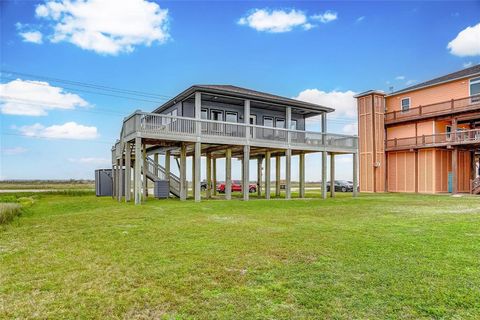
(222, 121)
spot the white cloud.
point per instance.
(326, 17)
(410, 82)
(400, 78)
(91, 161)
(275, 21)
(68, 130)
(344, 103)
(466, 43)
(14, 151)
(467, 64)
(32, 36)
(106, 26)
(351, 128)
(360, 19)
(35, 98)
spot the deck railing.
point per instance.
(445, 107)
(160, 125)
(433, 140)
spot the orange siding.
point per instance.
(464, 171)
(426, 171)
(401, 171)
(443, 92)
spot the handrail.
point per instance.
(444, 138)
(432, 109)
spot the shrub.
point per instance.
(8, 211)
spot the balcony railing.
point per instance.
(161, 126)
(435, 109)
(434, 140)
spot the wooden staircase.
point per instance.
(156, 172)
(475, 186)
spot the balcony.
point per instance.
(463, 137)
(175, 128)
(433, 110)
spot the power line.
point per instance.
(47, 138)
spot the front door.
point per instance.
(253, 121)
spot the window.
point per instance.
(405, 104)
(475, 89)
(231, 116)
(449, 132)
(279, 123)
(204, 114)
(293, 125)
(268, 121)
(216, 115)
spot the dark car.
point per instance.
(341, 186)
(237, 186)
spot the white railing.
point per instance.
(165, 125)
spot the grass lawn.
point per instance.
(376, 256)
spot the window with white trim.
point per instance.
(475, 89)
(405, 104)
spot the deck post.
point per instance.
(246, 173)
(288, 173)
(324, 175)
(259, 175)
(209, 176)
(214, 176)
(332, 175)
(113, 174)
(118, 184)
(193, 173)
(145, 168)
(167, 165)
(138, 170)
(277, 176)
(198, 112)
(183, 172)
(228, 174)
(268, 181)
(197, 158)
(355, 174)
(155, 159)
(246, 119)
(455, 170)
(301, 175)
(128, 172)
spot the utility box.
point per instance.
(103, 182)
(161, 189)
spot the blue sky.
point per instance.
(318, 51)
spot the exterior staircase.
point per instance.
(475, 186)
(157, 172)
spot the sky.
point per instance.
(56, 125)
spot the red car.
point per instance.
(237, 186)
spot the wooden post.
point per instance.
(277, 176)
(198, 155)
(228, 174)
(155, 159)
(259, 175)
(138, 170)
(455, 170)
(288, 173)
(267, 174)
(301, 175)
(355, 174)
(145, 168)
(128, 172)
(324, 175)
(183, 172)
(120, 178)
(214, 178)
(209, 176)
(167, 165)
(246, 173)
(332, 175)
(193, 174)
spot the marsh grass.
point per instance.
(8, 211)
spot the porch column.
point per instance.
(246, 173)
(214, 176)
(355, 174)
(198, 155)
(128, 171)
(145, 168)
(228, 174)
(119, 175)
(332, 175)
(259, 175)
(198, 113)
(246, 118)
(288, 124)
(288, 174)
(138, 170)
(183, 172)
(454, 170)
(193, 174)
(267, 174)
(277, 176)
(155, 159)
(209, 176)
(167, 165)
(324, 175)
(301, 175)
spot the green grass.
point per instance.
(376, 257)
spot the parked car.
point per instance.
(341, 186)
(237, 186)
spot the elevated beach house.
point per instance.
(222, 121)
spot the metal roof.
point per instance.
(243, 93)
(464, 73)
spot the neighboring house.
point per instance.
(424, 138)
(222, 121)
